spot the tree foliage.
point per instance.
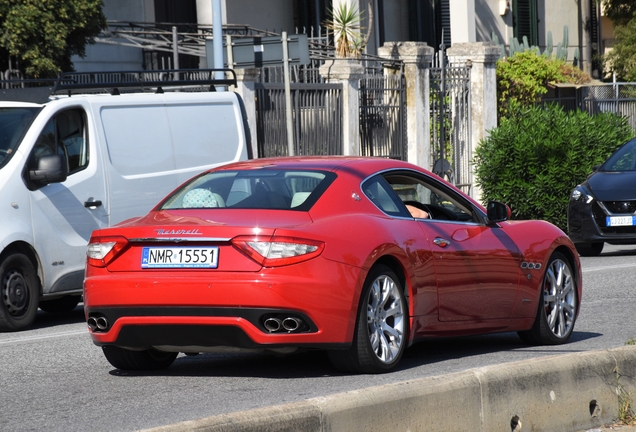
(523, 78)
(536, 156)
(622, 58)
(619, 11)
(41, 36)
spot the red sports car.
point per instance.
(357, 256)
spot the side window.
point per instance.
(73, 136)
(380, 194)
(64, 134)
(424, 194)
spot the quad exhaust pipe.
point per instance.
(291, 324)
(273, 324)
(97, 323)
(287, 324)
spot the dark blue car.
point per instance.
(603, 208)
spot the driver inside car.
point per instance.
(416, 212)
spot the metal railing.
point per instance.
(317, 119)
(450, 122)
(382, 115)
(618, 98)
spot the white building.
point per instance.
(383, 20)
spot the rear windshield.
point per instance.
(624, 159)
(14, 122)
(252, 189)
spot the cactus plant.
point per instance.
(561, 49)
(549, 47)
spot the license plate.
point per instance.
(620, 220)
(180, 257)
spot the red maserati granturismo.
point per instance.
(357, 256)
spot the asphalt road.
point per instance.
(53, 378)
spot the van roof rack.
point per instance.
(156, 81)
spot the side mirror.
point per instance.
(497, 212)
(50, 169)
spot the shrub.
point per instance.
(522, 79)
(534, 159)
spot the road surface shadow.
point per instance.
(46, 319)
(314, 364)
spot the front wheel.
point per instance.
(558, 305)
(382, 326)
(150, 359)
(19, 292)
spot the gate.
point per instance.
(383, 116)
(450, 122)
(316, 114)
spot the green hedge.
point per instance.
(534, 159)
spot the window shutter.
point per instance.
(525, 21)
(442, 21)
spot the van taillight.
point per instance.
(102, 250)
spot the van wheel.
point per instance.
(150, 359)
(61, 304)
(19, 292)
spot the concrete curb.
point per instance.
(567, 393)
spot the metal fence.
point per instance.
(318, 110)
(316, 116)
(382, 115)
(450, 122)
(618, 98)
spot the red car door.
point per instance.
(477, 270)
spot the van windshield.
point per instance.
(14, 122)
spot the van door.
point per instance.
(65, 214)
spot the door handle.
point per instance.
(95, 203)
(441, 242)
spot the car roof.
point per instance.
(364, 165)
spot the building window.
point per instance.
(428, 21)
(309, 16)
(525, 21)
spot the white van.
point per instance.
(79, 162)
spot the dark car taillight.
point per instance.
(102, 250)
(278, 251)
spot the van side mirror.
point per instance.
(50, 169)
(497, 212)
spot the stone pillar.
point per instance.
(246, 87)
(482, 57)
(347, 72)
(417, 58)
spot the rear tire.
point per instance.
(19, 292)
(589, 249)
(558, 305)
(148, 360)
(61, 304)
(381, 331)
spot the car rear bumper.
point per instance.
(224, 310)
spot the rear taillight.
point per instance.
(278, 251)
(102, 250)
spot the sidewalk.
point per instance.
(615, 428)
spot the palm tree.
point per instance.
(345, 24)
